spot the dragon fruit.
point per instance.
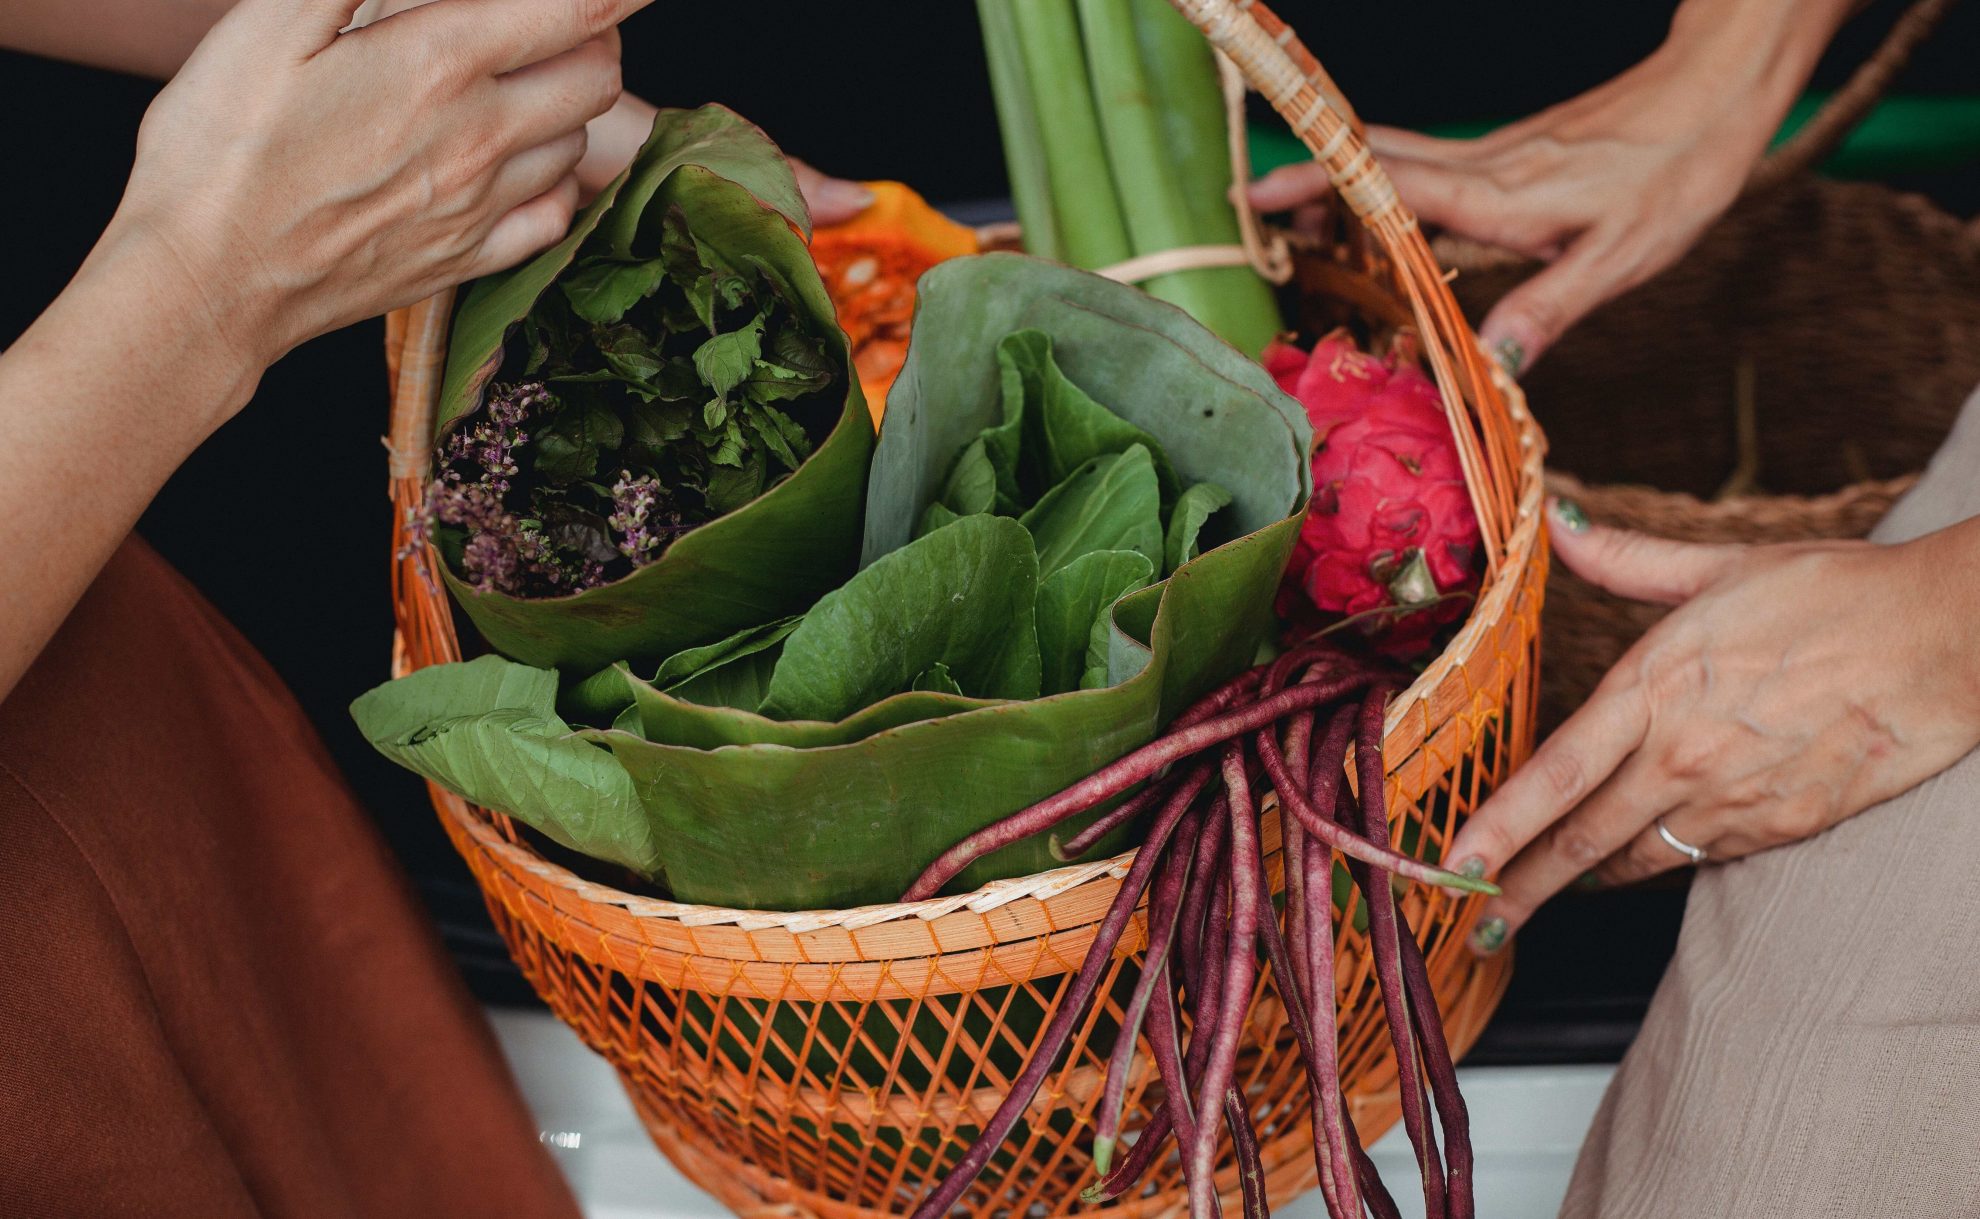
(1391, 523)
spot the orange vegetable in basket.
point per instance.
(870, 264)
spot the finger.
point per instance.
(532, 172)
(1568, 766)
(1596, 266)
(500, 36)
(1647, 854)
(830, 200)
(1637, 565)
(1606, 822)
(1471, 203)
(526, 230)
(1290, 186)
(546, 100)
(616, 138)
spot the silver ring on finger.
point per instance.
(1695, 854)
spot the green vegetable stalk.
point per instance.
(1135, 157)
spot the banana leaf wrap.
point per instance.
(755, 812)
(773, 556)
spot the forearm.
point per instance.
(1769, 47)
(147, 37)
(100, 401)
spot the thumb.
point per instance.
(1635, 565)
(1528, 319)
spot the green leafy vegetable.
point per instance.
(1070, 604)
(1111, 502)
(961, 597)
(1193, 510)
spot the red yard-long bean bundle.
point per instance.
(1286, 726)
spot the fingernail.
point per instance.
(1587, 881)
(1489, 937)
(839, 193)
(1472, 869)
(1570, 515)
(1511, 354)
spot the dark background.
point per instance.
(281, 519)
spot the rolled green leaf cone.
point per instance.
(709, 191)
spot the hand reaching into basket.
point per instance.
(1615, 185)
(1793, 686)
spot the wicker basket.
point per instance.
(835, 1063)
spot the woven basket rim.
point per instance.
(1041, 886)
(1562, 483)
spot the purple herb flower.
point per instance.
(635, 502)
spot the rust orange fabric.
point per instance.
(218, 996)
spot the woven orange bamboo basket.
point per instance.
(835, 1063)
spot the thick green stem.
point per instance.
(1091, 232)
(1182, 76)
(1131, 120)
(1017, 121)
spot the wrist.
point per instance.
(1765, 48)
(188, 323)
(225, 330)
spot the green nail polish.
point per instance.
(1511, 354)
(1572, 518)
(1472, 869)
(1587, 881)
(1490, 936)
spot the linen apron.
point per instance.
(1814, 1049)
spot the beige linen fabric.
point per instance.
(1814, 1049)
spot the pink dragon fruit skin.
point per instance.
(1388, 487)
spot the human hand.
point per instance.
(1615, 185)
(291, 180)
(1792, 687)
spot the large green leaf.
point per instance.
(778, 552)
(788, 815)
(488, 730)
(960, 597)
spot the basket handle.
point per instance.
(1275, 62)
(1849, 105)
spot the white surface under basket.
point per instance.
(1527, 1123)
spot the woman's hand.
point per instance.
(1794, 686)
(298, 179)
(1613, 186)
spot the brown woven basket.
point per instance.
(1786, 381)
(835, 1063)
